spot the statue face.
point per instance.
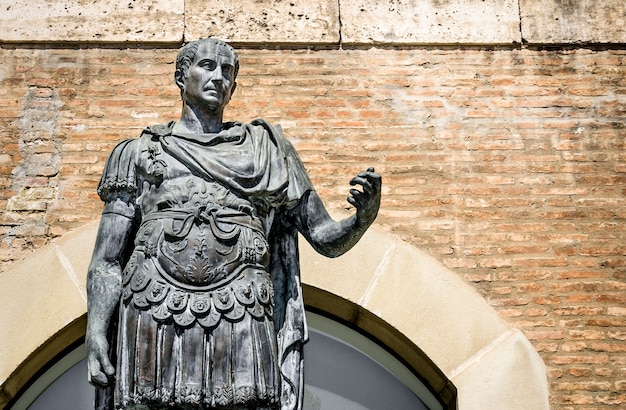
(210, 81)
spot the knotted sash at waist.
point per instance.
(177, 222)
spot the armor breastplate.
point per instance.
(200, 255)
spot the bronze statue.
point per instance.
(194, 298)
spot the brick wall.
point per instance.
(508, 165)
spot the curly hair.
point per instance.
(188, 52)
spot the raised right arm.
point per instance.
(104, 286)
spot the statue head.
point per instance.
(204, 62)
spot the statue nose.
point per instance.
(217, 74)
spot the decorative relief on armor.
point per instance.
(250, 290)
(156, 167)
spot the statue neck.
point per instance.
(194, 120)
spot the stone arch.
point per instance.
(384, 287)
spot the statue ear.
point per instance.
(179, 79)
(232, 90)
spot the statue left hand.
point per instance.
(366, 202)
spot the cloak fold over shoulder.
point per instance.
(256, 162)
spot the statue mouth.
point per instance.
(210, 86)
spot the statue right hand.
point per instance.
(100, 369)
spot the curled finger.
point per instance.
(363, 181)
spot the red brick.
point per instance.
(580, 371)
(580, 359)
(544, 334)
(614, 347)
(591, 386)
(578, 310)
(613, 399)
(576, 399)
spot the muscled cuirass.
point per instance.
(200, 252)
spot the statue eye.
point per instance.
(227, 69)
(209, 64)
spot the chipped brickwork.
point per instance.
(507, 165)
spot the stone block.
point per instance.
(258, 22)
(430, 22)
(582, 21)
(92, 21)
(38, 299)
(508, 371)
(75, 251)
(349, 275)
(429, 304)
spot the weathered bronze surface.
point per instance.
(194, 297)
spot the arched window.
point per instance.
(343, 370)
